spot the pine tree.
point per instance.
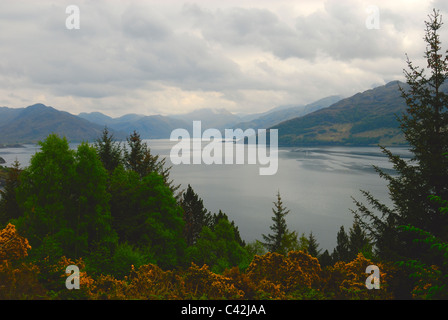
(358, 241)
(341, 251)
(313, 246)
(138, 158)
(275, 242)
(424, 125)
(109, 151)
(195, 215)
(325, 259)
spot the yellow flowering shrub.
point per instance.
(106, 287)
(18, 280)
(151, 282)
(289, 273)
(201, 282)
(348, 280)
(12, 245)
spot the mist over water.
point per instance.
(316, 185)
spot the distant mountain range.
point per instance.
(366, 118)
(36, 122)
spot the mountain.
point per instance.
(149, 127)
(36, 122)
(366, 118)
(210, 118)
(283, 113)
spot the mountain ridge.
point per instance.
(365, 118)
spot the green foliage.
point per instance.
(145, 213)
(9, 207)
(137, 157)
(195, 215)
(281, 236)
(65, 198)
(109, 151)
(218, 248)
(423, 124)
(342, 250)
(126, 256)
(313, 246)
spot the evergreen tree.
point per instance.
(9, 207)
(424, 125)
(313, 246)
(109, 151)
(276, 242)
(325, 259)
(358, 241)
(138, 158)
(341, 251)
(221, 215)
(195, 215)
(146, 215)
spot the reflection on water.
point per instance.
(316, 185)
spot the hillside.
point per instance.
(278, 115)
(149, 127)
(366, 118)
(210, 118)
(36, 122)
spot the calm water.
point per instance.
(316, 185)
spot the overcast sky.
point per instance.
(165, 57)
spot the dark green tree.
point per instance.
(221, 215)
(325, 259)
(138, 158)
(358, 241)
(65, 200)
(91, 218)
(275, 242)
(424, 125)
(46, 193)
(341, 251)
(9, 207)
(195, 215)
(313, 246)
(218, 248)
(109, 150)
(147, 216)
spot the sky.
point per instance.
(173, 57)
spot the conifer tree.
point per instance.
(275, 242)
(138, 158)
(424, 125)
(109, 151)
(341, 251)
(195, 215)
(358, 240)
(313, 246)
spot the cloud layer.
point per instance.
(172, 57)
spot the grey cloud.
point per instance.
(338, 31)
